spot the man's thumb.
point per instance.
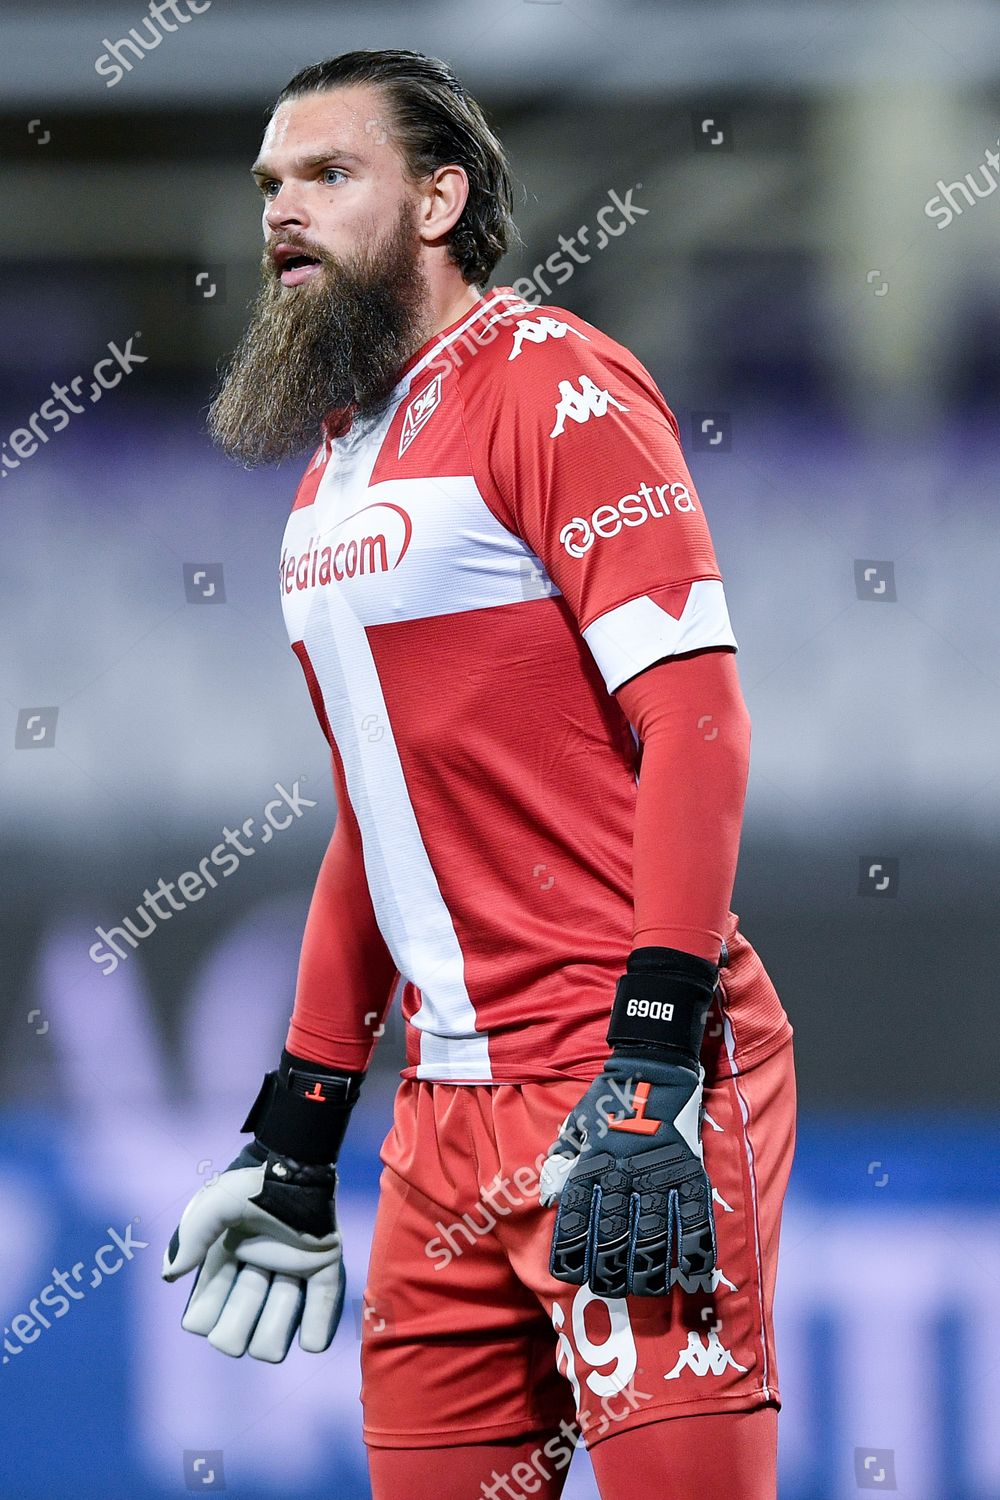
(217, 1207)
(201, 1223)
(185, 1251)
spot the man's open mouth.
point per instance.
(295, 266)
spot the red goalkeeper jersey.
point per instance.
(467, 580)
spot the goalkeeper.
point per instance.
(499, 580)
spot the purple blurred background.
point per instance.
(831, 353)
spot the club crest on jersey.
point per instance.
(419, 413)
(589, 401)
(537, 330)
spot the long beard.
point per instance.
(337, 340)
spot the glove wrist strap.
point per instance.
(661, 1003)
(302, 1110)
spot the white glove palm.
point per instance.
(265, 1237)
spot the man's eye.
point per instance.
(269, 188)
(335, 170)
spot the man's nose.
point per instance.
(285, 210)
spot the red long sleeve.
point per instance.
(346, 973)
(694, 728)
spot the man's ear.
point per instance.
(445, 194)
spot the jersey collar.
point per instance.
(338, 423)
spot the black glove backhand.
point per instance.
(635, 1202)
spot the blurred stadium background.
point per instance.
(829, 338)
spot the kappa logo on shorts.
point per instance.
(708, 1358)
(706, 1282)
(419, 413)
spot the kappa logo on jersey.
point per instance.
(589, 401)
(362, 553)
(708, 1358)
(538, 330)
(580, 533)
(419, 413)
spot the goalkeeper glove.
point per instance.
(264, 1234)
(627, 1171)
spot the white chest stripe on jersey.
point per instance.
(411, 914)
(404, 549)
(363, 555)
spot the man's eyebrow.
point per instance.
(315, 159)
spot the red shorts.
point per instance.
(467, 1338)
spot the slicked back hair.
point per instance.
(434, 122)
